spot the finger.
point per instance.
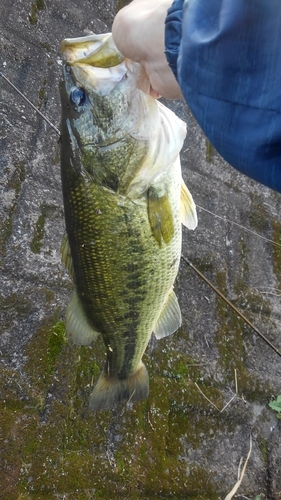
(153, 93)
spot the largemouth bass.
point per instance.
(124, 201)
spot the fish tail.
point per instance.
(109, 391)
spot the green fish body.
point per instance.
(124, 202)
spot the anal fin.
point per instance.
(188, 208)
(170, 317)
(66, 256)
(78, 329)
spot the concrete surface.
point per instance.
(176, 444)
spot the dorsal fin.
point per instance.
(66, 256)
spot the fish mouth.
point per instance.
(94, 62)
(100, 81)
(93, 50)
(101, 64)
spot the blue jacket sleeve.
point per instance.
(226, 56)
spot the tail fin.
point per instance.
(110, 391)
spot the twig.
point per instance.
(225, 406)
(31, 104)
(148, 419)
(131, 396)
(220, 294)
(213, 404)
(235, 488)
(225, 219)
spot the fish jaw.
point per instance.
(94, 50)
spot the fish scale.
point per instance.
(108, 298)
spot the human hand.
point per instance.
(139, 31)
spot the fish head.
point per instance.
(111, 127)
(101, 103)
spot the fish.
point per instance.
(125, 202)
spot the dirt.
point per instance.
(211, 382)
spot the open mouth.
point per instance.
(99, 80)
(94, 50)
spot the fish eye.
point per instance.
(78, 96)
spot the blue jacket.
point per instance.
(226, 56)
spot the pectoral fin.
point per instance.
(170, 318)
(78, 329)
(66, 256)
(160, 216)
(188, 208)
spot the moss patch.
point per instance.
(229, 331)
(35, 8)
(56, 340)
(46, 46)
(259, 217)
(39, 229)
(137, 451)
(12, 308)
(6, 222)
(56, 448)
(44, 349)
(276, 236)
(210, 151)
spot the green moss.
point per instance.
(39, 231)
(55, 344)
(18, 177)
(72, 454)
(6, 222)
(229, 331)
(251, 302)
(46, 46)
(56, 157)
(205, 264)
(89, 370)
(6, 227)
(56, 448)
(38, 235)
(48, 294)
(276, 258)
(263, 448)
(33, 14)
(42, 94)
(210, 151)
(230, 335)
(35, 7)
(252, 388)
(259, 217)
(13, 307)
(43, 350)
